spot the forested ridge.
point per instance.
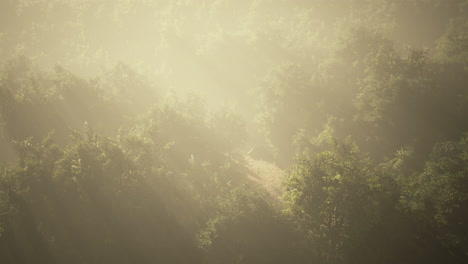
(222, 131)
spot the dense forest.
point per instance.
(234, 131)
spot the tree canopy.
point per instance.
(224, 131)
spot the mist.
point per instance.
(233, 131)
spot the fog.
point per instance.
(233, 131)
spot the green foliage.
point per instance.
(355, 212)
(86, 203)
(453, 45)
(150, 177)
(241, 232)
(440, 192)
(330, 196)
